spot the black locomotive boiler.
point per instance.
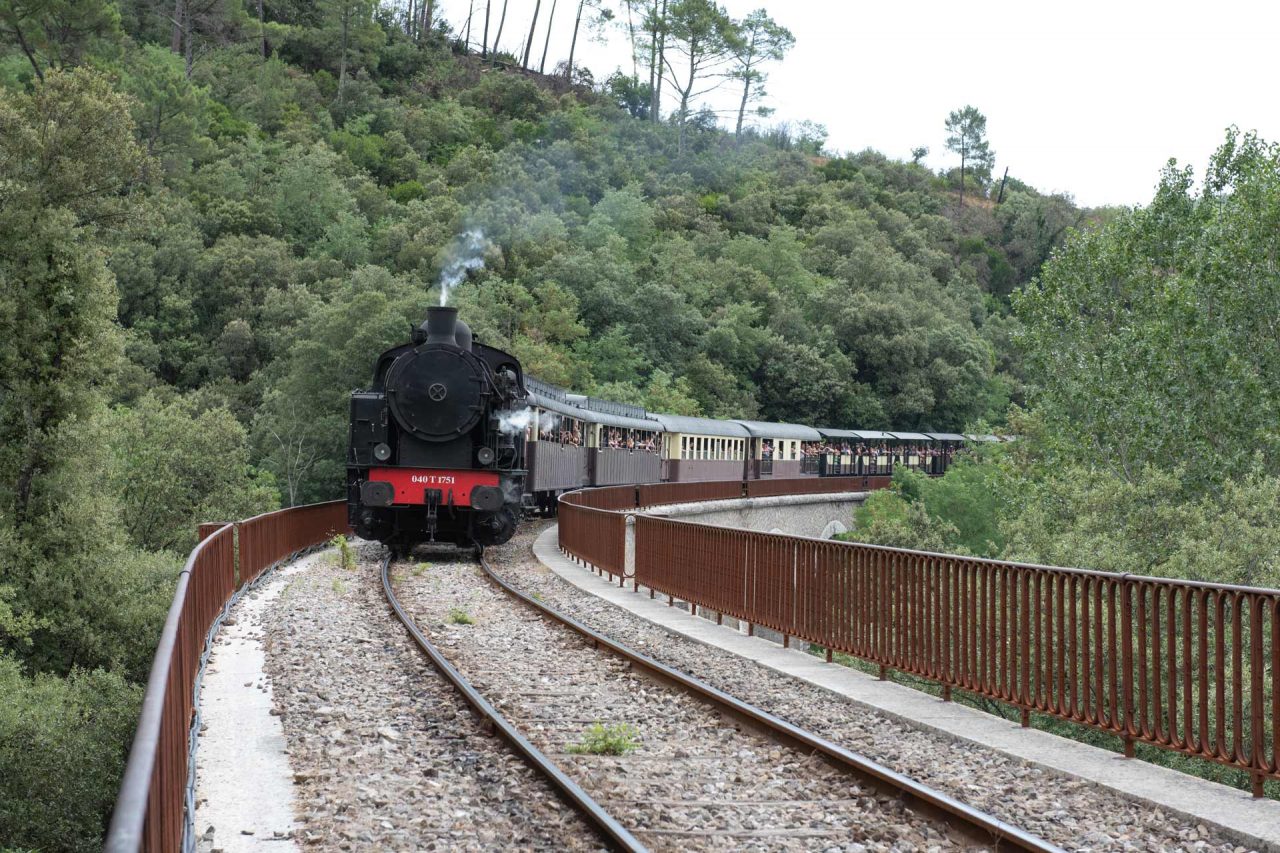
(434, 454)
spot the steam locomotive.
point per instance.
(432, 456)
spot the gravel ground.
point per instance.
(385, 756)
(696, 779)
(1074, 814)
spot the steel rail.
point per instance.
(921, 798)
(613, 832)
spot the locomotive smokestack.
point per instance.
(441, 325)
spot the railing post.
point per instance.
(1126, 657)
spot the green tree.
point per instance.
(759, 40)
(170, 110)
(67, 152)
(62, 750)
(348, 20)
(1150, 342)
(58, 34)
(174, 466)
(967, 136)
(599, 16)
(703, 41)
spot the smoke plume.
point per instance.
(466, 253)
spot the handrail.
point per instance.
(148, 813)
(128, 818)
(1184, 665)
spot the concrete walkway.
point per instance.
(1255, 823)
(244, 786)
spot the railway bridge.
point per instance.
(872, 659)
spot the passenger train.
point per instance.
(451, 442)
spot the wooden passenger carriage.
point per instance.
(701, 449)
(574, 441)
(781, 450)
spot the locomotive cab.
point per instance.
(433, 452)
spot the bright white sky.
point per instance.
(1089, 98)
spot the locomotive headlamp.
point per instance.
(381, 452)
(485, 455)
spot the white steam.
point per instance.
(514, 423)
(466, 253)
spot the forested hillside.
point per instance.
(1149, 443)
(211, 222)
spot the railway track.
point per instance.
(699, 768)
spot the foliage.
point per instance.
(967, 129)
(759, 39)
(1151, 340)
(63, 744)
(702, 40)
(958, 513)
(610, 739)
(173, 465)
(458, 616)
(59, 34)
(346, 557)
(1150, 447)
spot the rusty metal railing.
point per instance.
(595, 536)
(1182, 665)
(150, 811)
(271, 537)
(657, 494)
(812, 486)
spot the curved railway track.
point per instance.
(821, 792)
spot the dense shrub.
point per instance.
(63, 744)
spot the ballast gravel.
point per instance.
(694, 780)
(1074, 814)
(384, 754)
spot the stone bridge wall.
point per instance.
(820, 516)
